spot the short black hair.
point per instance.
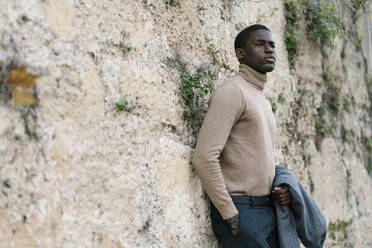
(243, 36)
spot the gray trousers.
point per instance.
(257, 226)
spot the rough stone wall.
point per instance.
(75, 171)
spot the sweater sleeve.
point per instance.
(225, 108)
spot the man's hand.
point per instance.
(233, 223)
(282, 195)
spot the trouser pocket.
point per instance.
(256, 225)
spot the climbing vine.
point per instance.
(318, 21)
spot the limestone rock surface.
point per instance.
(77, 171)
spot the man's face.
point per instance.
(259, 51)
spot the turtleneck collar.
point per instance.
(252, 76)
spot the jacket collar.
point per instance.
(252, 76)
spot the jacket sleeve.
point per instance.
(225, 108)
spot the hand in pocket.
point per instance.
(234, 232)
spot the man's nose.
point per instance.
(268, 49)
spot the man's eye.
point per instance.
(259, 44)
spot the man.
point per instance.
(234, 155)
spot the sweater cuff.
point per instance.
(229, 211)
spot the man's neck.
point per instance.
(252, 76)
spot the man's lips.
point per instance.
(270, 59)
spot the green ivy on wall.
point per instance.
(318, 21)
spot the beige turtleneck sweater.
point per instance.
(234, 154)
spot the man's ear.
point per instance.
(239, 52)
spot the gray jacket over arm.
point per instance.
(301, 218)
